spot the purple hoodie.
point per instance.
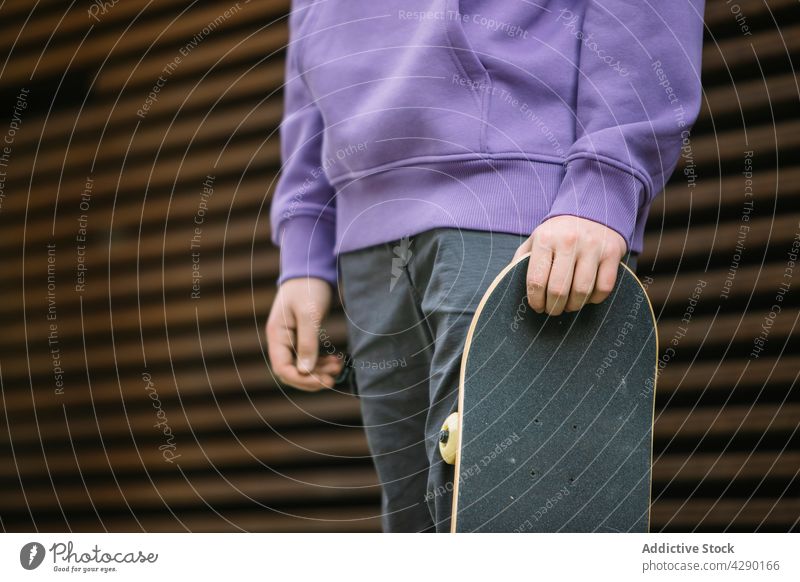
(492, 115)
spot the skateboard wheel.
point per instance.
(448, 439)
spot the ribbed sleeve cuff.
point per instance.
(307, 249)
(600, 192)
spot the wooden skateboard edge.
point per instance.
(462, 375)
(655, 387)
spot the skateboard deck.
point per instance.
(554, 429)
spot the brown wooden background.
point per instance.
(255, 457)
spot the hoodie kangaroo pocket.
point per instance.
(463, 51)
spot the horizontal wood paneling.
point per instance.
(258, 457)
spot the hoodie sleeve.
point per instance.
(302, 215)
(638, 95)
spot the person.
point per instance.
(425, 144)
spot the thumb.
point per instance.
(307, 343)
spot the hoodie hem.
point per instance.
(492, 194)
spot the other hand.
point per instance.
(293, 327)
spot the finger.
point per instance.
(307, 343)
(606, 277)
(538, 274)
(328, 358)
(308, 382)
(522, 249)
(329, 365)
(280, 339)
(325, 381)
(582, 282)
(559, 282)
(288, 374)
(314, 382)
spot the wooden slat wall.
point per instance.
(249, 454)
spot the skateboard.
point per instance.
(555, 414)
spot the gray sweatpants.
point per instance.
(409, 304)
